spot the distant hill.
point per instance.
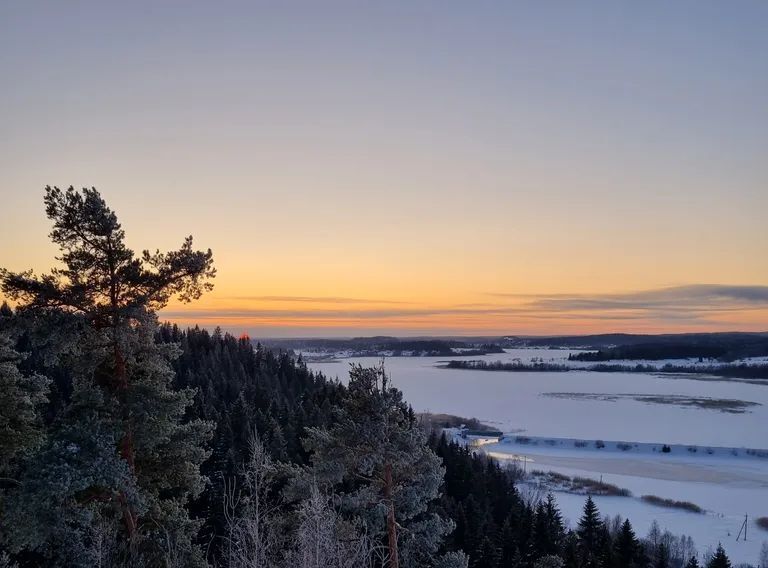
(385, 345)
(726, 346)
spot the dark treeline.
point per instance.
(741, 371)
(129, 444)
(374, 346)
(507, 366)
(726, 347)
(732, 345)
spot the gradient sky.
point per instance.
(408, 167)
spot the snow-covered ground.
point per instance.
(522, 401)
(727, 486)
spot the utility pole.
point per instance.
(743, 529)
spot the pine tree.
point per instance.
(693, 562)
(719, 559)
(120, 464)
(379, 452)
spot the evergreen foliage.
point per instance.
(375, 455)
(719, 559)
(112, 482)
(590, 534)
(626, 546)
(20, 398)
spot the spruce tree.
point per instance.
(719, 559)
(590, 535)
(120, 463)
(548, 529)
(625, 546)
(693, 562)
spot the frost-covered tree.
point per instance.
(549, 561)
(111, 483)
(21, 433)
(376, 457)
(693, 562)
(324, 539)
(763, 561)
(20, 397)
(254, 537)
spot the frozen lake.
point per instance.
(519, 402)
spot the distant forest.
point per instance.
(721, 346)
(394, 346)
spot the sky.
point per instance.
(408, 167)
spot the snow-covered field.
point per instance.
(522, 401)
(726, 482)
(726, 486)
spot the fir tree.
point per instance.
(693, 562)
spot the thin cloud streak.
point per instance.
(752, 293)
(696, 296)
(313, 299)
